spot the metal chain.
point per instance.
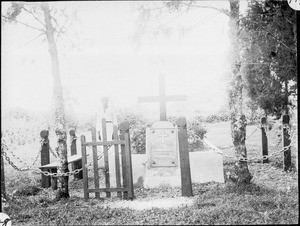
(267, 132)
(36, 158)
(28, 167)
(54, 153)
(46, 173)
(73, 138)
(11, 163)
(279, 141)
(258, 127)
(44, 141)
(264, 157)
(225, 147)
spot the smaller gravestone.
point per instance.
(162, 168)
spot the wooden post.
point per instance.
(105, 152)
(73, 143)
(76, 164)
(287, 158)
(84, 169)
(186, 181)
(3, 193)
(117, 161)
(126, 160)
(297, 12)
(123, 128)
(128, 166)
(45, 156)
(95, 160)
(264, 138)
(53, 179)
(162, 103)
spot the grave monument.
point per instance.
(162, 147)
(162, 165)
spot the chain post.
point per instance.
(77, 164)
(3, 192)
(287, 159)
(264, 139)
(45, 156)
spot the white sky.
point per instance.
(109, 64)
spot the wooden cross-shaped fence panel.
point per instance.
(123, 167)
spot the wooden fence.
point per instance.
(123, 164)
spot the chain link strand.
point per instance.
(46, 173)
(204, 141)
(268, 132)
(7, 158)
(264, 157)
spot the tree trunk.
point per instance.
(241, 172)
(62, 182)
(58, 104)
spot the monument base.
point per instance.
(162, 177)
(206, 166)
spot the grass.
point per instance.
(214, 204)
(271, 198)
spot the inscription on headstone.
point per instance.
(163, 147)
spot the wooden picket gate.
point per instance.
(123, 163)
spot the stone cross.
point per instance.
(163, 135)
(162, 98)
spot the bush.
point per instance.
(218, 117)
(27, 190)
(137, 131)
(138, 127)
(196, 130)
(20, 127)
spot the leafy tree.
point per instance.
(46, 22)
(269, 55)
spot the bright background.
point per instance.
(111, 63)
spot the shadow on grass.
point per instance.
(277, 162)
(249, 189)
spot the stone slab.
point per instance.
(206, 166)
(139, 162)
(162, 177)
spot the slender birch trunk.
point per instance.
(59, 111)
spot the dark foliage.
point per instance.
(269, 55)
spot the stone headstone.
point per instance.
(162, 168)
(162, 145)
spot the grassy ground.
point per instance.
(271, 198)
